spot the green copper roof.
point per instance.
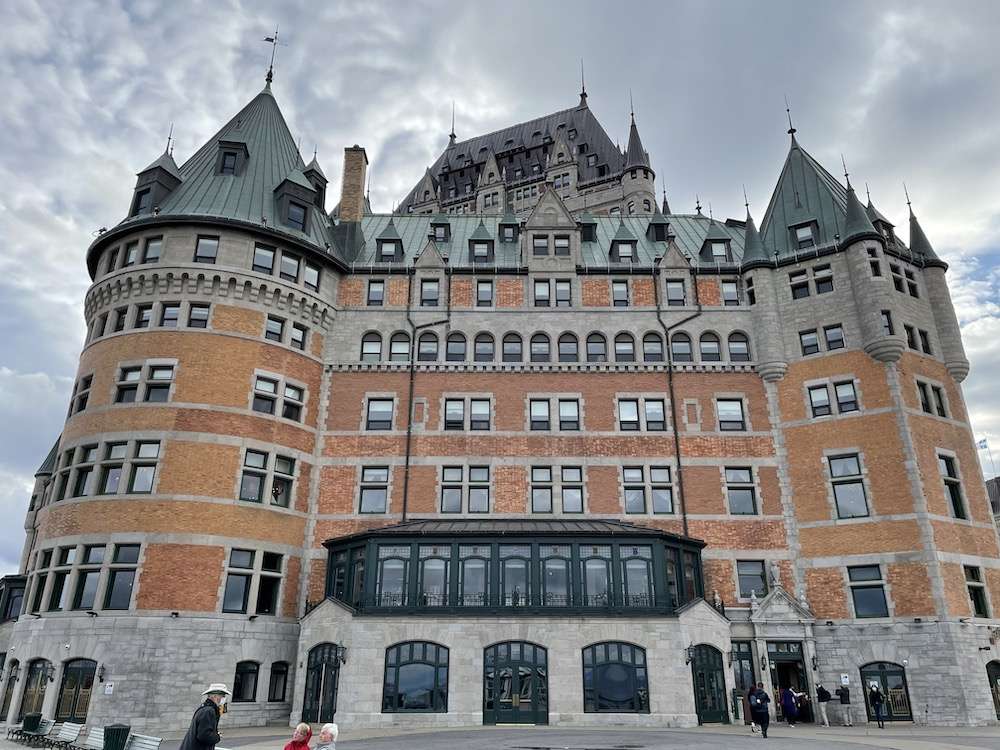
(920, 245)
(658, 217)
(49, 464)
(623, 234)
(857, 225)
(167, 164)
(875, 215)
(586, 218)
(753, 246)
(481, 233)
(249, 195)
(716, 231)
(298, 177)
(805, 192)
(390, 232)
(509, 217)
(315, 167)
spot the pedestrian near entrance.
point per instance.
(758, 708)
(300, 738)
(844, 693)
(790, 705)
(877, 701)
(328, 737)
(203, 734)
(822, 698)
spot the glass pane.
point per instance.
(515, 583)
(127, 553)
(473, 583)
(595, 581)
(120, 589)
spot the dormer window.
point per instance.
(659, 232)
(886, 231)
(518, 173)
(508, 233)
(297, 216)
(389, 250)
(588, 233)
(228, 163)
(535, 169)
(571, 133)
(140, 204)
(625, 251)
(440, 232)
(482, 251)
(804, 236)
(720, 252)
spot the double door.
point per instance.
(891, 678)
(74, 694)
(515, 684)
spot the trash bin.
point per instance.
(31, 722)
(115, 736)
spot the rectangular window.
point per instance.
(977, 591)
(379, 414)
(867, 591)
(628, 415)
(819, 401)
(572, 489)
(454, 488)
(206, 250)
(804, 237)
(254, 476)
(541, 489)
(799, 283)
(952, 485)
(925, 397)
(887, 327)
(429, 290)
(539, 414)
(480, 251)
(143, 316)
(170, 314)
(925, 341)
(263, 259)
(873, 262)
(542, 288)
(809, 341)
(274, 329)
(633, 478)
(834, 336)
(675, 293)
(561, 244)
(939, 404)
(564, 293)
(730, 413)
(569, 414)
(730, 293)
(454, 414)
(198, 316)
(479, 414)
(847, 397)
(151, 253)
(740, 491)
(310, 276)
(265, 395)
(131, 254)
(654, 414)
(144, 467)
(911, 336)
(376, 293)
(823, 279)
(82, 394)
(484, 293)
(288, 269)
(374, 489)
(751, 578)
(298, 336)
(661, 489)
(297, 216)
(619, 293)
(848, 486)
(120, 317)
(540, 244)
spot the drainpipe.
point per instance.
(670, 376)
(414, 330)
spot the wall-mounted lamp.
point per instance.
(175, 614)
(251, 618)
(15, 670)
(763, 662)
(729, 657)
(342, 653)
(50, 672)
(689, 654)
(814, 663)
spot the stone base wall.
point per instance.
(158, 665)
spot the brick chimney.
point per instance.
(352, 190)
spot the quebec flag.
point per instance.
(981, 443)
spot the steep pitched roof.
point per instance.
(920, 245)
(805, 192)
(249, 195)
(49, 464)
(166, 163)
(315, 167)
(875, 215)
(857, 225)
(754, 253)
(635, 154)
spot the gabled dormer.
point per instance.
(440, 229)
(232, 157)
(295, 198)
(882, 225)
(481, 247)
(658, 228)
(389, 245)
(318, 180)
(510, 227)
(623, 245)
(717, 246)
(490, 174)
(154, 184)
(588, 227)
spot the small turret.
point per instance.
(154, 184)
(637, 176)
(857, 225)
(759, 282)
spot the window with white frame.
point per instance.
(740, 491)
(146, 382)
(253, 582)
(848, 486)
(374, 489)
(652, 482)
(272, 395)
(465, 489)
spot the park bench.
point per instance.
(67, 735)
(143, 742)
(94, 740)
(45, 727)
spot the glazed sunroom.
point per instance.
(465, 567)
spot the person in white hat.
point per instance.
(203, 734)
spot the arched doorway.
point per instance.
(74, 694)
(892, 679)
(993, 675)
(35, 683)
(709, 685)
(515, 683)
(322, 680)
(8, 691)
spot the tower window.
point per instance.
(228, 165)
(297, 216)
(142, 201)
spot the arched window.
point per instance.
(484, 348)
(393, 567)
(416, 678)
(277, 686)
(569, 348)
(652, 347)
(615, 679)
(8, 691)
(637, 575)
(512, 348)
(399, 347)
(435, 564)
(680, 348)
(646, 206)
(709, 347)
(555, 560)
(474, 575)
(624, 348)
(739, 347)
(35, 683)
(427, 347)
(75, 690)
(455, 348)
(245, 682)
(371, 347)
(540, 351)
(597, 348)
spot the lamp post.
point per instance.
(689, 654)
(342, 653)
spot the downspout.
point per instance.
(414, 330)
(670, 377)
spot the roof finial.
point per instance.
(788, 111)
(368, 192)
(631, 106)
(170, 137)
(746, 201)
(315, 148)
(711, 216)
(868, 192)
(273, 41)
(451, 135)
(847, 177)
(907, 194)
(697, 204)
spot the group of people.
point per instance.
(203, 734)
(793, 703)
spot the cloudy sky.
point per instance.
(907, 91)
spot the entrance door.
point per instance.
(34, 688)
(788, 670)
(515, 684)
(322, 682)
(993, 675)
(709, 685)
(74, 695)
(892, 679)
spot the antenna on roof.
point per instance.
(788, 111)
(847, 177)
(273, 41)
(170, 137)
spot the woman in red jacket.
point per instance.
(300, 738)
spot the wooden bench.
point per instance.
(45, 727)
(143, 742)
(67, 735)
(94, 740)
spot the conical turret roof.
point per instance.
(754, 254)
(857, 225)
(921, 246)
(875, 215)
(167, 164)
(635, 154)
(314, 166)
(623, 234)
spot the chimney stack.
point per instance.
(352, 191)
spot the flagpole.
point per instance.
(990, 454)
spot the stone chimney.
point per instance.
(352, 191)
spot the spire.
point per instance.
(754, 254)
(583, 88)
(697, 205)
(451, 135)
(919, 244)
(857, 224)
(635, 155)
(666, 206)
(788, 111)
(273, 41)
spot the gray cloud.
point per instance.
(905, 90)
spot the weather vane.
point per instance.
(273, 41)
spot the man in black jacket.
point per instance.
(203, 733)
(822, 698)
(844, 693)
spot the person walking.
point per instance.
(877, 701)
(328, 737)
(300, 737)
(203, 734)
(789, 706)
(844, 693)
(822, 698)
(758, 700)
